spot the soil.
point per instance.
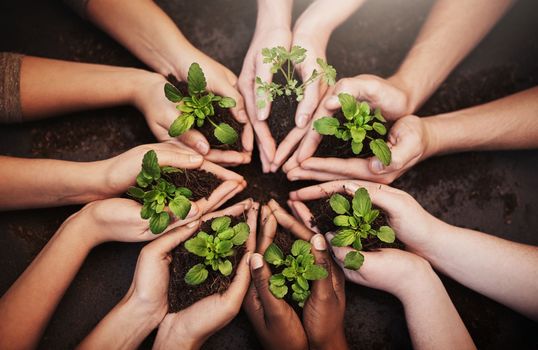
(322, 218)
(200, 182)
(330, 146)
(222, 115)
(282, 117)
(180, 294)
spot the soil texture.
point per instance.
(282, 117)
(200, 182)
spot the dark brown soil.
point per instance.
(282, 117)
(180, 294)
(200, 182)
(330, 146)
(222, 115)
(322, 218)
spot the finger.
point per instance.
(171, 239)
(263, 71)
(234, 210)
(195, 140)
(252, 222)
(322, 289)
(219, 193)
(180, 159)
(264, 138)
(308, 104)
(220, 172)
(235, 294)
(266, 164)
(345, 168)
(268, 231)
(292, 162)
(304, 214)
(312, 138)
(319, 191)
(173, 145)
(247, 137)
(287, 146)
(260, 277)
(289, 222)
(302, 174)
(362, 89)
(227, 158)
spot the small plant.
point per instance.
(299, 268)
(359, 122)
(284, 61)
(157, 194)
(355, 222)
(215, 248)
(198, 106)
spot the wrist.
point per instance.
(411, 98)
(169, 337)
(274, 15)
(338, 341)
(419, 278)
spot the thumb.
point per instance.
(260, 277)
(322, 289)
(308, 104)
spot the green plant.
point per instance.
(198, 106)
(359, 121)
(284, 61)
(355, 223)
(299, 268)
(215, 248)
(157, 194)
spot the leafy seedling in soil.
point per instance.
(215, 248)
(198, 107)
(358, 123)
(156, 194)
(284, 61)
(298, 269)
(355, 223)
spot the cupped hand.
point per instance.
(190, 327)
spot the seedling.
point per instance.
(359, 122)
(199, 107)
(215, 248)
(355, 222)
(299, 268)
(284, 61)
(157, 194)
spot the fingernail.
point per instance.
(256, 261)
(333, 100)
(376, 165)
(261, 115)
(195, 158)
(319, 242)
(202, 147)
(192, 224)
(351, 186)
(302, 120)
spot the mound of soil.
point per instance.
(180, 294)
(200, 182)
(282, 117)
(222, 115)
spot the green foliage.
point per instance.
(355, 222)
(359, 121)
(284, 61)
(199, 107)
(156, 194)
(215, 248)
(299, 268)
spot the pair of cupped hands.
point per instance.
(408, 137)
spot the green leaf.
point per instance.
(146, 212)
(349, 105)
(180, 206)
(379, 128)
(364, 108)
(170, 170)
(371, 216)
(343, 238)
(197, 246)
(226, 234)
(353, 260)
(225, 134)
(381, 151)
(358, 134)
(386, 234)
(135, 192)
(273, 255)
(361, 202)
(329, 76)
(278, 291)
(159, 222)
(315, 272)
(300, 247)
(196, 275)
(227, 102)
(221, 223)
(172, 93)
(224, 247)
(339, 204)
(150, 165)
(379, 116)
(142, 181)
(289, 272)
(225, 267)
(326, 125)
(196, 79)
(183, 191)
(341, 220)
(242, 231)
(277, 280)
(182, 124)
(356, 147)
(357, 244)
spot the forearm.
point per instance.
(50, 87)
(145, 30)
(507, 123)
(452, 29)
(432, 319)
(274, 14)
(35, 183)
(499, 269)
(30, 302)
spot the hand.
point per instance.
(120, 172)
(323, 315)
(253, 67)
(160, 113)
(189, 328)
(408, 140)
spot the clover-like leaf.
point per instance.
(381, 151)
(339, 204)
(356, 147)
(196, 275)
(353, 260)
(386, 234)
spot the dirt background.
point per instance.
(494, 192)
